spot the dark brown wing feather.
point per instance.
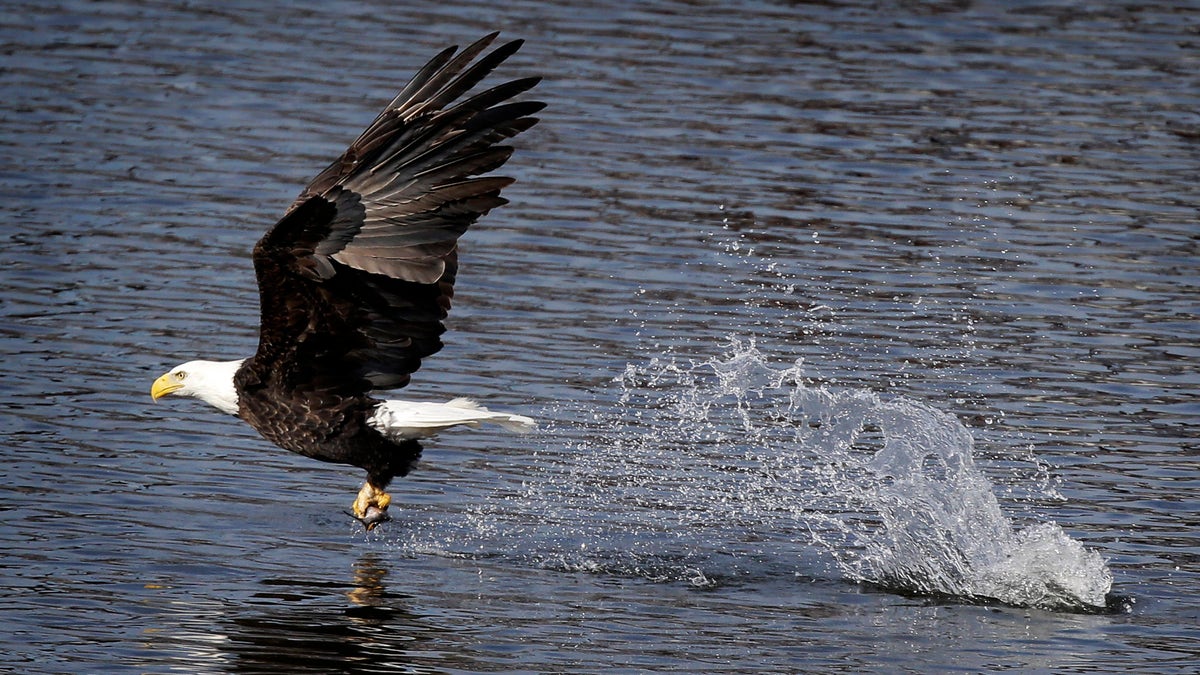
(356, 278)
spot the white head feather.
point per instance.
(209, 381)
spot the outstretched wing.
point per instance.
(357, 277)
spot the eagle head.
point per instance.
(209, 381)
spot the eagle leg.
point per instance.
(370, 507)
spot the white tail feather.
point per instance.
(401, 420)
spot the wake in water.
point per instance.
(713, 471)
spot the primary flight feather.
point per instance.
(356, 279)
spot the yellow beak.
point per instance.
(163, 386)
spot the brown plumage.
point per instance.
(356, 278)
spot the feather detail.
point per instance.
(403, 420)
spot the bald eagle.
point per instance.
(356, 278)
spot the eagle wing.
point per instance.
(356, 278)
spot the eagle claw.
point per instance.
(370, 507)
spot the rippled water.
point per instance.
(864, 338)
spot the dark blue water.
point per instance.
(863, 339)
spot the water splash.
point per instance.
(940, 529)
(712, 471)
(888, 488)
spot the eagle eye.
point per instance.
(180, 375)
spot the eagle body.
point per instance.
(356, 280)
(325, 426)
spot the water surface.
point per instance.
(742, 239)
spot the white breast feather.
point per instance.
(402, 420)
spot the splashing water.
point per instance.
(940, 528)
(720, 470)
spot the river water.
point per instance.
(862, 338)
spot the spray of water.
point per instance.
(711, 472)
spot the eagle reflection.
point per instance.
(307, 626)
(368, 592)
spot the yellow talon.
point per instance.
(370, 506)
